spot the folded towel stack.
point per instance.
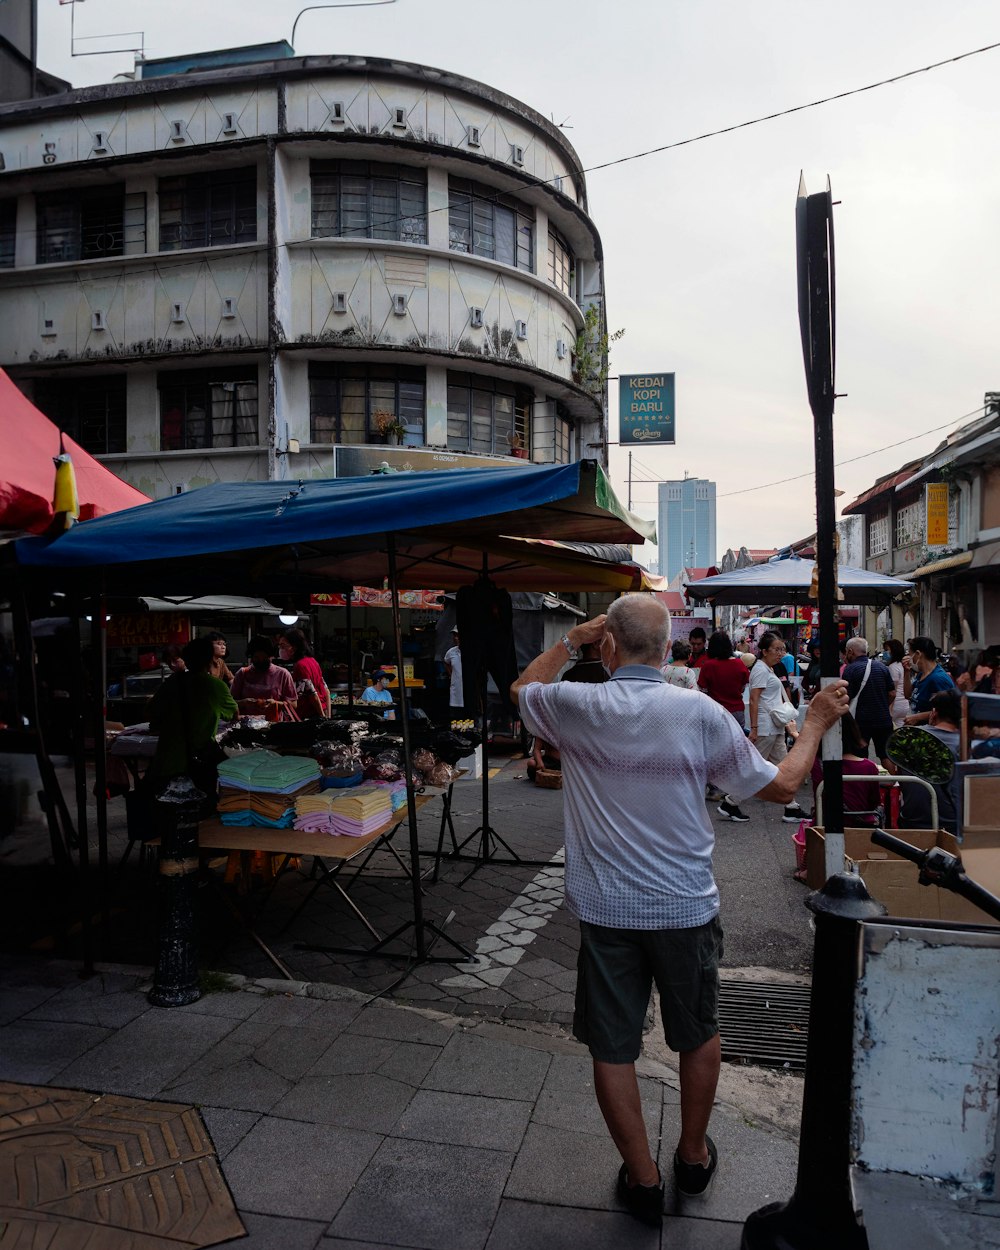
(261, 788)
(266, 810)
(354, 814)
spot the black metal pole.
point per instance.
(99, 668)
(80, 778)
(820, 1214)
(419, 939)
(175, 812)
(350, 653)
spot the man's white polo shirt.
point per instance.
(636, 755)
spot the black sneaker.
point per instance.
(694, 1179)
(645, 1202)
(794, 814)
(731, 811)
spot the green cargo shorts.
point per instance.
(616, 970)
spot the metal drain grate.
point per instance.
(764, 1023)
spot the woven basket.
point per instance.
(548, 778)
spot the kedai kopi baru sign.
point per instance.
(646, 408)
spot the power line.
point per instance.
(798, 108)
(854, 459)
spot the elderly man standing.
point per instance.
(636, 756)
(871, 689)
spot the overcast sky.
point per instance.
(699, 241)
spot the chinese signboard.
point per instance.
(371, 597)
(646, 408)
(937, 514)
(149, 629)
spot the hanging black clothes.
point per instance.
(485, 620)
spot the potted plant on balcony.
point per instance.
(517, 447)
(391, 430)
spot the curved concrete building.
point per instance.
(247, 264)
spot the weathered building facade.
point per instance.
(253, 265)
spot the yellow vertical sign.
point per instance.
(937, 514)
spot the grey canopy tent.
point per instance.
(788, 580)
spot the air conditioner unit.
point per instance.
(339, 302)
(48, 329)
(100, 142)
(516, 154)
(336, 114)
(399, 305)
(476, 318)
(229, 126)
(521, 330)
(399, 119)
(178, 132)
(557, 182)
(177, 312)
(228, 307)
(97, 320)
(561, 349)
(472, 136)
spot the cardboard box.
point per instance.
(981, 806)
(894, 881)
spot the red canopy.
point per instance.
(29, 441)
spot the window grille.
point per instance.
(208, 408)
(208, 210)
(878, 534)
(560, 263)
(488, 416)
(484, 222)
(910, 523)
(344, 398)
(8, 232)
(80, 225)
(362, 200)
(92, 411)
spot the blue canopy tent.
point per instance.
(286, 538)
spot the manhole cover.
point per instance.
(764, 1023)
(85, 1171)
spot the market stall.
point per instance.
(289, 541)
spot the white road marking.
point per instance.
(506, 941)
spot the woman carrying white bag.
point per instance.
(771, 712)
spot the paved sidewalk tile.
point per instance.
(468, 1065)
(755, 1167)
(520, 1225)
(108, 1000)
(34, 1052)
(226, 1127)
(319, 1164)
(146, 1055)
(362, 1101)
(579, 1112)
(464, 1120)
(434, 1197)
(275, 1232)
(19, 1000)
(229, 1075)
(572, 1169)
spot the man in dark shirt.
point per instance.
(870, 683)
(697, 639)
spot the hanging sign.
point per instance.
(148, 629)
(373, 597)
(936, 506)
(646, 408)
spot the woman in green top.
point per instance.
(185, 713)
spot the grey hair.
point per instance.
(640, 626)
(860, 645)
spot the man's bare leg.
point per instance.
(618, 1097)
(699, 1077)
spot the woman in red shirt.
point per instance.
(306, 673)
(723, 676)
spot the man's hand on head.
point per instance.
(590, 631)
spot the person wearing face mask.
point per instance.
(314, 697)
(262, 688)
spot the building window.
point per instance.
(560, 263)
(345, 402)
(486, 223)
(90, 410)
(487, 416)
(878, 534)
(8, 232)
(553, 435)
(358, 200)
(208, 408)
(80, 225)
(208, 210)
(910, 523)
